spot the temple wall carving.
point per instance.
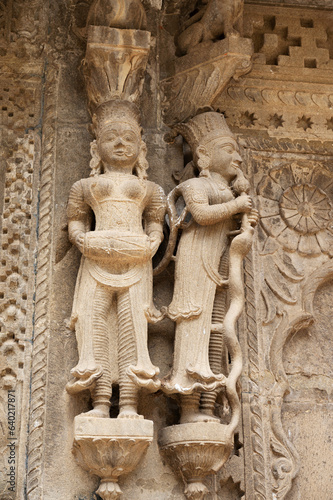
(250, 405)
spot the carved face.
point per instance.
(118, 145)
(222, 156)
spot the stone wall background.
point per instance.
(282, 114)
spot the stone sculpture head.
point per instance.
(213, 145)
(118, 145)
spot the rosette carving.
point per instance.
(296, 209)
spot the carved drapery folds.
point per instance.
(205, 325)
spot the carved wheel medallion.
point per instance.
(305, 208)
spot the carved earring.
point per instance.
(95, 162)
(203, 163)
(142, 164)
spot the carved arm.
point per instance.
(154, 215)
(204, 214)
(79, 215)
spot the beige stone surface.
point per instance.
(281, 114)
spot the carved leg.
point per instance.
(128, 398)
(102, 391)
(217, 351)
(142, 371)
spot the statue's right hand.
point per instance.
(79, 241)
(244, 203)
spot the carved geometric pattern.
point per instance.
(296, 208)
(295, 41)
(19, 109)
(273, 97)
(15, 266)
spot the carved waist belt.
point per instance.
(117, 247)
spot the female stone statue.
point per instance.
(210, 199)
(115, 219)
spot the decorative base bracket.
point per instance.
(110, 448)
(201, 75)
(195, 451)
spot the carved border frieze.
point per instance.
(43, 277)
(289, 278)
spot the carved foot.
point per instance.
(100, 411)
(128, 412)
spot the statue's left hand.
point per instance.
(79, 241)
(154, 243)
(253, 217)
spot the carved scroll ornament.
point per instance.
(201, 76)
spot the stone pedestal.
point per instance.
(110, 448)
(195, 451)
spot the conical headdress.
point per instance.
(203, 128)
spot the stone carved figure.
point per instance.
(210, 199)
(115, 219)
(127, 14)
(214, 19)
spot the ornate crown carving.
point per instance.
(203, 128)
(116, 110)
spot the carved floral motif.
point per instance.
(296, 208)
(114, 64)
(110, 449)
(195, 451)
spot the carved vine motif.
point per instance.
(44, 266)
(295, 202)
(257, 430)
(285, 464)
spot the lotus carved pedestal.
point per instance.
(110, 448)
(195, 451)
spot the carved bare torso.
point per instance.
(117, 202)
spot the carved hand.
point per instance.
(243, 203)
(155, 240)
(79, 241)
(253, 217)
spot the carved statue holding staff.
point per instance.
(213, 200)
